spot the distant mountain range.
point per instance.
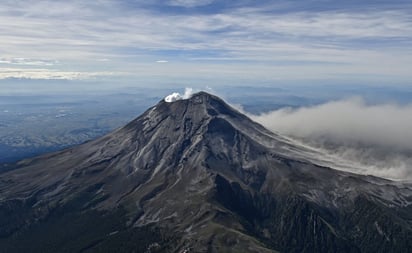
(195, 175)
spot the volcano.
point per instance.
(196, 175)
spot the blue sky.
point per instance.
(217, 42)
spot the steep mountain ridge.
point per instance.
(197, 175)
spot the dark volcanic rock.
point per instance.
(197, 175)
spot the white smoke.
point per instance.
(177, 96)
(375, 139)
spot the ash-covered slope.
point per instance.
(197, 175)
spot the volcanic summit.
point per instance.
(196, 175)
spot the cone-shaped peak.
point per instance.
(200, 171)
(200, 103)
(196, 98)
(176, 96)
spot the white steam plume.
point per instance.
(374, 139)
(176, 96)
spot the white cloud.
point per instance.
(373, 139)
(348, 120)
(26, 61)
(6, 73)
(190, 3)
(306, 39)
(175, 96)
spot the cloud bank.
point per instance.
(373, 139)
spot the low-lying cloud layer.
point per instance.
(373, 139)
